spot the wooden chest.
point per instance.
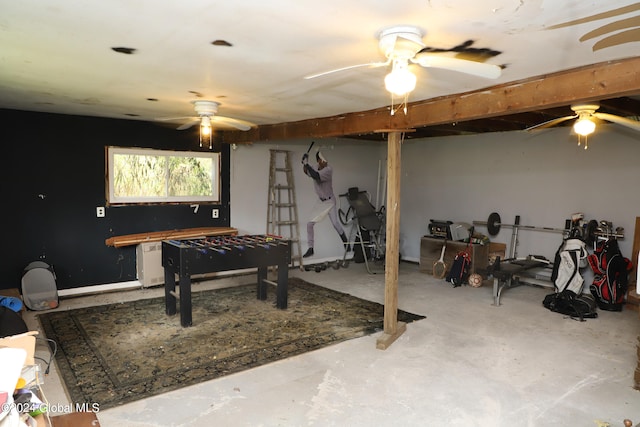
(431, 247)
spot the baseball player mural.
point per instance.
(326, 205)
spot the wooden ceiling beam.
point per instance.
(590, 83)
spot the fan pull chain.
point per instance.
(403, 105)
(210, 143)
(210, 140)
(586, 141)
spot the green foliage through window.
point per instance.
(144, 176)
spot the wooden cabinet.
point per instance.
(431, 247)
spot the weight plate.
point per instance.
(493, 223)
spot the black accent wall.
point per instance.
(53, 178)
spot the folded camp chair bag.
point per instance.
(39, 290)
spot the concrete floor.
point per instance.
(468, 364)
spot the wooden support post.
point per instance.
(392, 328)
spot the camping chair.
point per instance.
(369, 227)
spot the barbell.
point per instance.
(592, 230)
(494, 223)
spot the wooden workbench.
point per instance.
(157, 236)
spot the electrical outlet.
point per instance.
(215, 213)
(100, 211)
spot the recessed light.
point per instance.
(221, 43)
(125, 50)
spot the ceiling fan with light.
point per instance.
(585, 125)
(402, 46)
(207, 118)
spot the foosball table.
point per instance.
(222, 253)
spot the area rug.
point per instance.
(118, 353)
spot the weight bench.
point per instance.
(507, 274)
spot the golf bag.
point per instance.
(568, 298)
(611, 275)
(570, 257)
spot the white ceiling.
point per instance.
(56, 56)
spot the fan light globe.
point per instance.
(205, 130)
(400, 81)
(205, 126)
(584, 126)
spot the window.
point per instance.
(136, 175)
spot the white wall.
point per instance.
(542, 176)
(355, 164)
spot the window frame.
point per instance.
(112, 200)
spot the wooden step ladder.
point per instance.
(282, 210)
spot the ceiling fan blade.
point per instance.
(551, 123)
(169, 119)
(401, 45)
(227, 122)
(370, 65)
(188, 124)
(480, 69)
(633, 124)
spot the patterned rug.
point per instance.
(117, 353)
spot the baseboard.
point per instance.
(96, 289)
(136, 284)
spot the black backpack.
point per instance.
(566, 302)
(459, 272)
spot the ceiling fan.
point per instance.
(585, 124)
(402, 45)
(208, 118)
